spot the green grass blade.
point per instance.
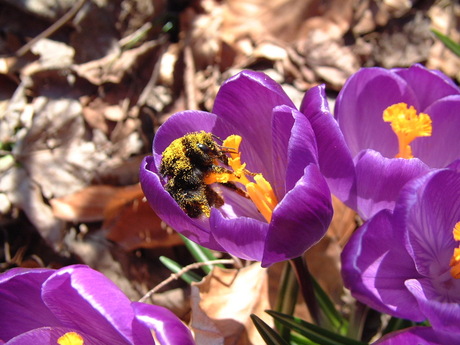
(314, 333)
(188, 277)
(200, 254)
(448, 42)
(267, 333)
(337, 322)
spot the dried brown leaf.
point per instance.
(113, 67)
(127, 218)
(223, 302)
(86, 205)
(131, 222)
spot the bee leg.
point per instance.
(235, 188)
(213, 198)
(193, 201)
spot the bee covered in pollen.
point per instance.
(187, 162)
(192, 163)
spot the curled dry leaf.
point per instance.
(223, 301)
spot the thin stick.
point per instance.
(52, 29)
(175, 276)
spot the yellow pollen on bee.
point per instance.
(70, 338)
(407, 125)
(260, 191)
(455, 260)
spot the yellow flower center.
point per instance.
(407, 126)
(258, 189)
(70, 338)
(455, 260)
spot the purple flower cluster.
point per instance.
(78, 305)
(254, 178)
(405, 259)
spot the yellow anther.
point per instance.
(455, 260)
(407, 126)
(70, 338)
(456, 232)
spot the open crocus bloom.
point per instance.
(272, 158)
(397, 124)
(405, 263)
(77, 305)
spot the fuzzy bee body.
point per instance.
(186, 162)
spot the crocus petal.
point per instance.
(243, 237)
(442, 147)
(246, 101)
(428, 85)
(82, 298)
(417, 335)
(380, 179)
(186, 122)
(432, 213)
(300, 219)
(168, 209)
(283, 120)
(455, 165)
(169, 330)
(49, 335)
(335, 159)
(442, 316)
(375, 265)
(359, 109)
(301, 150)
(21, 303)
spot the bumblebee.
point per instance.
(186, 162)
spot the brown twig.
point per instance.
(184, 270)
(52, 29)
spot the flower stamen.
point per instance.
(70, 338)
(407, 125)
(455, 260)
(259, 191)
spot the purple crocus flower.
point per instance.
(412, 114)
(406, 263)
(289, 205)
(76, 305)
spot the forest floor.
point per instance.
(84, 85)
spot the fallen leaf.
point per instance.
(130, 221)
(127, 218)
(223, 301)
(113, 67)
(86, 205)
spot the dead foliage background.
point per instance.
(85, 84)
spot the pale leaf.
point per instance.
(223, 302)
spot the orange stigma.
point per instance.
(407, 126)
(258, 188)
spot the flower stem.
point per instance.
(306, 287)
(287, 298)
